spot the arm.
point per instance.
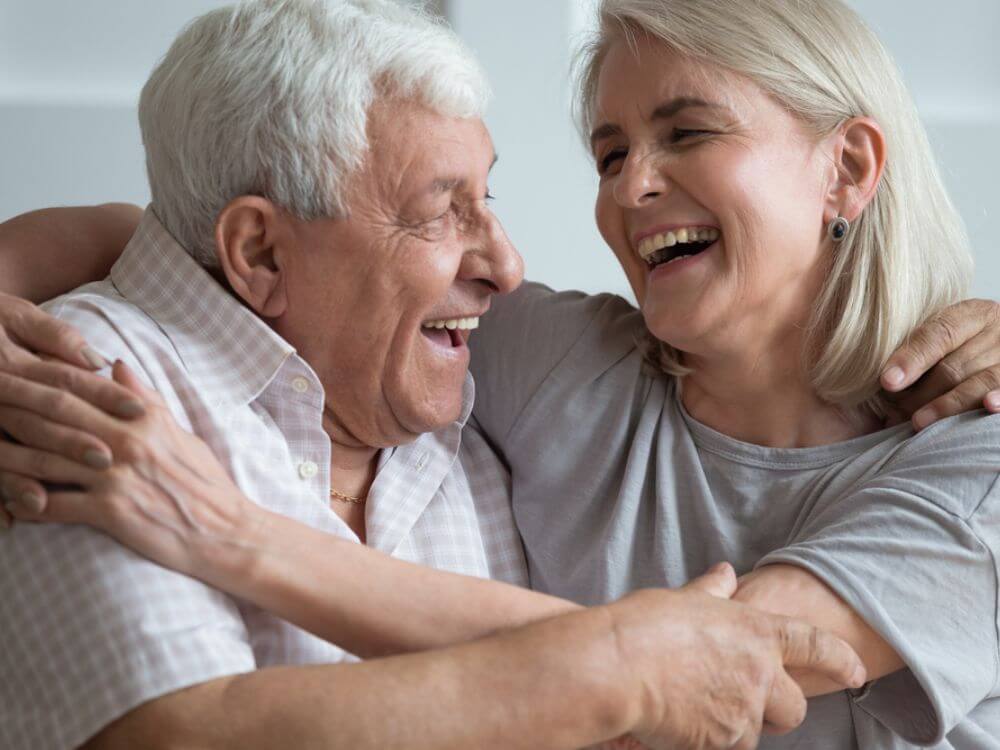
(794, 592)
(73, 245)
(676, 669)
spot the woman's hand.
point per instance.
(165, 496)
(949, 365)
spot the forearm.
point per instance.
(365, 601)
(48, 252)
(555, 684)
(794, 592)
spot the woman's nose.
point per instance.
(641, 180)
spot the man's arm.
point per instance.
(48, 252)
(678, 669)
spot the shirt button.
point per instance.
(300, 385)
(307, 469)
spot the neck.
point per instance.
(352, 464)
(764, 397)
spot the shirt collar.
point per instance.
(229, 352)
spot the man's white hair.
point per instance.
(907, 254)
(271, 97)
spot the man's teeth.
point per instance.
(454, 323)
(650, 245)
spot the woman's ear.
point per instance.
(859, 156)
(248, 235)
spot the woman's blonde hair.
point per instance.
(906, 255)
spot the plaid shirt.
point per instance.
(91, 630)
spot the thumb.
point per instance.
(718, 581)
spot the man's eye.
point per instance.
(489, 197)
(610, 158)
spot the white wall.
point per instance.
(70, 73)
(545, 185)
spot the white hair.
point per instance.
(907, 254)
(271, 98)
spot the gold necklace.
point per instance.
(342, 497)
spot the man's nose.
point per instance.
(495, 261)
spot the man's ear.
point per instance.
(248, 235)
(859, 157)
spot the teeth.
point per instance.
(650, 245)
(454, 323)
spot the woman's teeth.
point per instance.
(453, 323)
(651, 244)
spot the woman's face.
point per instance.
(690, 152)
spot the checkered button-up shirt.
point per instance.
(89, 630)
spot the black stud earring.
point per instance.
(838, 229)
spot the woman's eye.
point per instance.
(679, 134)
(609, 159)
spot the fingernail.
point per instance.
(96, 459)
(923, 418)
(130, 409)
(94, 359)
(32, 502)
(894, 375)
(993, 403)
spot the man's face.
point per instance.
(420, 247)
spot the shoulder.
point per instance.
(954, 463)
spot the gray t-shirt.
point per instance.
(615, 487)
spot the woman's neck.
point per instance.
(765, 398)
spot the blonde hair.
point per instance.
(907, 254)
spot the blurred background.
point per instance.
(70, 74)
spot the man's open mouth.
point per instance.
(667, 247)
(449, 331)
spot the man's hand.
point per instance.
(711, 673)
(949, 365)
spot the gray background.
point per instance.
(70, 73)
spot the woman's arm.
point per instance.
(48, 252)
(795, 592)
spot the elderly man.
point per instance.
(300, 293)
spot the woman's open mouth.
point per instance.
(674, 246)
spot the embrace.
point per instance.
(303, 464)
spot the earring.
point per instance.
(838, 229)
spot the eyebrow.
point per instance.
(448, 184)
(663, 112)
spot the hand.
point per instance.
(165, 497)
(949, 365)
(711, 673)
(41, 360)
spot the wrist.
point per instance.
(231, 560)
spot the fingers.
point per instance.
(107, 395)
(122, 374)
(968, 395)
(943, 333)
(43, 466)
(34, 431)
(40, 332)
(18, 488)
(720, 581)
(992, 402)
(806, 647)
(786, 705)
(57, 406)
(60, 507)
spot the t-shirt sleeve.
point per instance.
(92, 630)
(522, 339)
(912, 550)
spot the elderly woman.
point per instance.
(769, 192)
